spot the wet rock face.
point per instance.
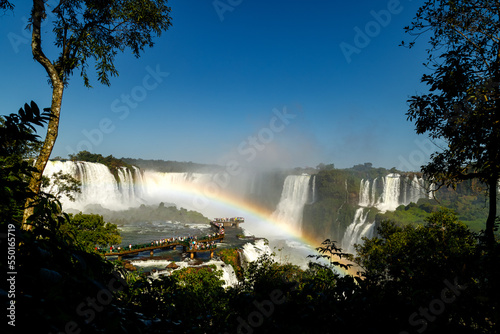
(129, 266)
(172, 266)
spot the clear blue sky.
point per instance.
(227, 72)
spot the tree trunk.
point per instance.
(57, 83)
(44, 154)
(492, 214)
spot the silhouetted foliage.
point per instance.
(6, 5)
(18, 140)
(54, 276)
(329, 250)
(461, 108)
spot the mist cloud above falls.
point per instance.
(282, 142)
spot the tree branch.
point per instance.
(454, 27)
(36, 41)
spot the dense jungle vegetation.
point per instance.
(437, 277)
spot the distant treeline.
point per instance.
(171, 166)
(151, 213)
(110, 161)
(337, 193)
(365, 170)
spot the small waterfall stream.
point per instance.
(397, 190)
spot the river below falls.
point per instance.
(285, 250)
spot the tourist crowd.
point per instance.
(204, 242)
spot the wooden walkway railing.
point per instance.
(186, 245)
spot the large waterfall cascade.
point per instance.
(396, 190)
(294, 196)
(131, 187)
(98, 184)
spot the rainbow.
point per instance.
(201, 197)
(203, 193)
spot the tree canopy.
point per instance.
(461, 109)
(91, 231)
(87, 33)
(4, 4)
(435, 278)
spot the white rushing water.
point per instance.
(133, 187)
(358, 229)
(396, 190)
(99, 185)
(293, 198)
(251, 252)
(313, 200)
(364, 194)
(228, 274)
(130, 188)
(389, 199)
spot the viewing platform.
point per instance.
(187, 247)
(228, 222)
(190, 245)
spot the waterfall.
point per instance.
(313, 189)
(417, 190)
(293, 198)
(98, 185)
(139, 188)
(358, 229)
(130, 187)
(252, 252)
(126, 184)
(432, 188)
(389, 200)
(374, 191)
(404, 193)
(364, 193)
(397, 190)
